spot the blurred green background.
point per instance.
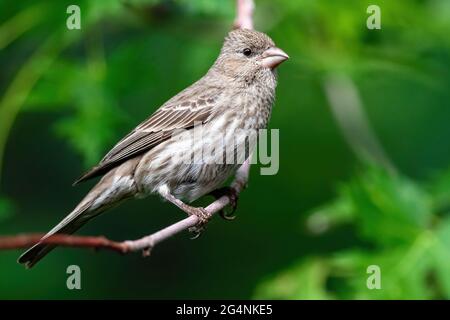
(364, 173)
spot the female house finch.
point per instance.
(237, 92)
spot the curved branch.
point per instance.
(144, 244)
(244, 19)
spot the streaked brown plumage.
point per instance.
(236, 93)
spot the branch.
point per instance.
(244, 14)
(64, 240)
(144, 244)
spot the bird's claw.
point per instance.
(203, 218)
(232, 195)
(227, 216)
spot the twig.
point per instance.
(244, 14)
(27, 240)
(145, 244)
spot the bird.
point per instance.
(237, 92)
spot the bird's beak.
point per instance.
(272, 57)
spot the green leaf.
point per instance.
(6, 208)
(330, 215)
(441, 255)
(303, 281)
(390, 209)
(439, 187)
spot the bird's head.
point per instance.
(246, 53)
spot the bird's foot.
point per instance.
(232, 195)
(203, 218)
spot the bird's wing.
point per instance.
(177, 113)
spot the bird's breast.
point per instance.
(257, 107)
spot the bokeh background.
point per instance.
(364, 173)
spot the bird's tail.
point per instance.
(116, 186)
(69, 225)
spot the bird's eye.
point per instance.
(247, 52)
